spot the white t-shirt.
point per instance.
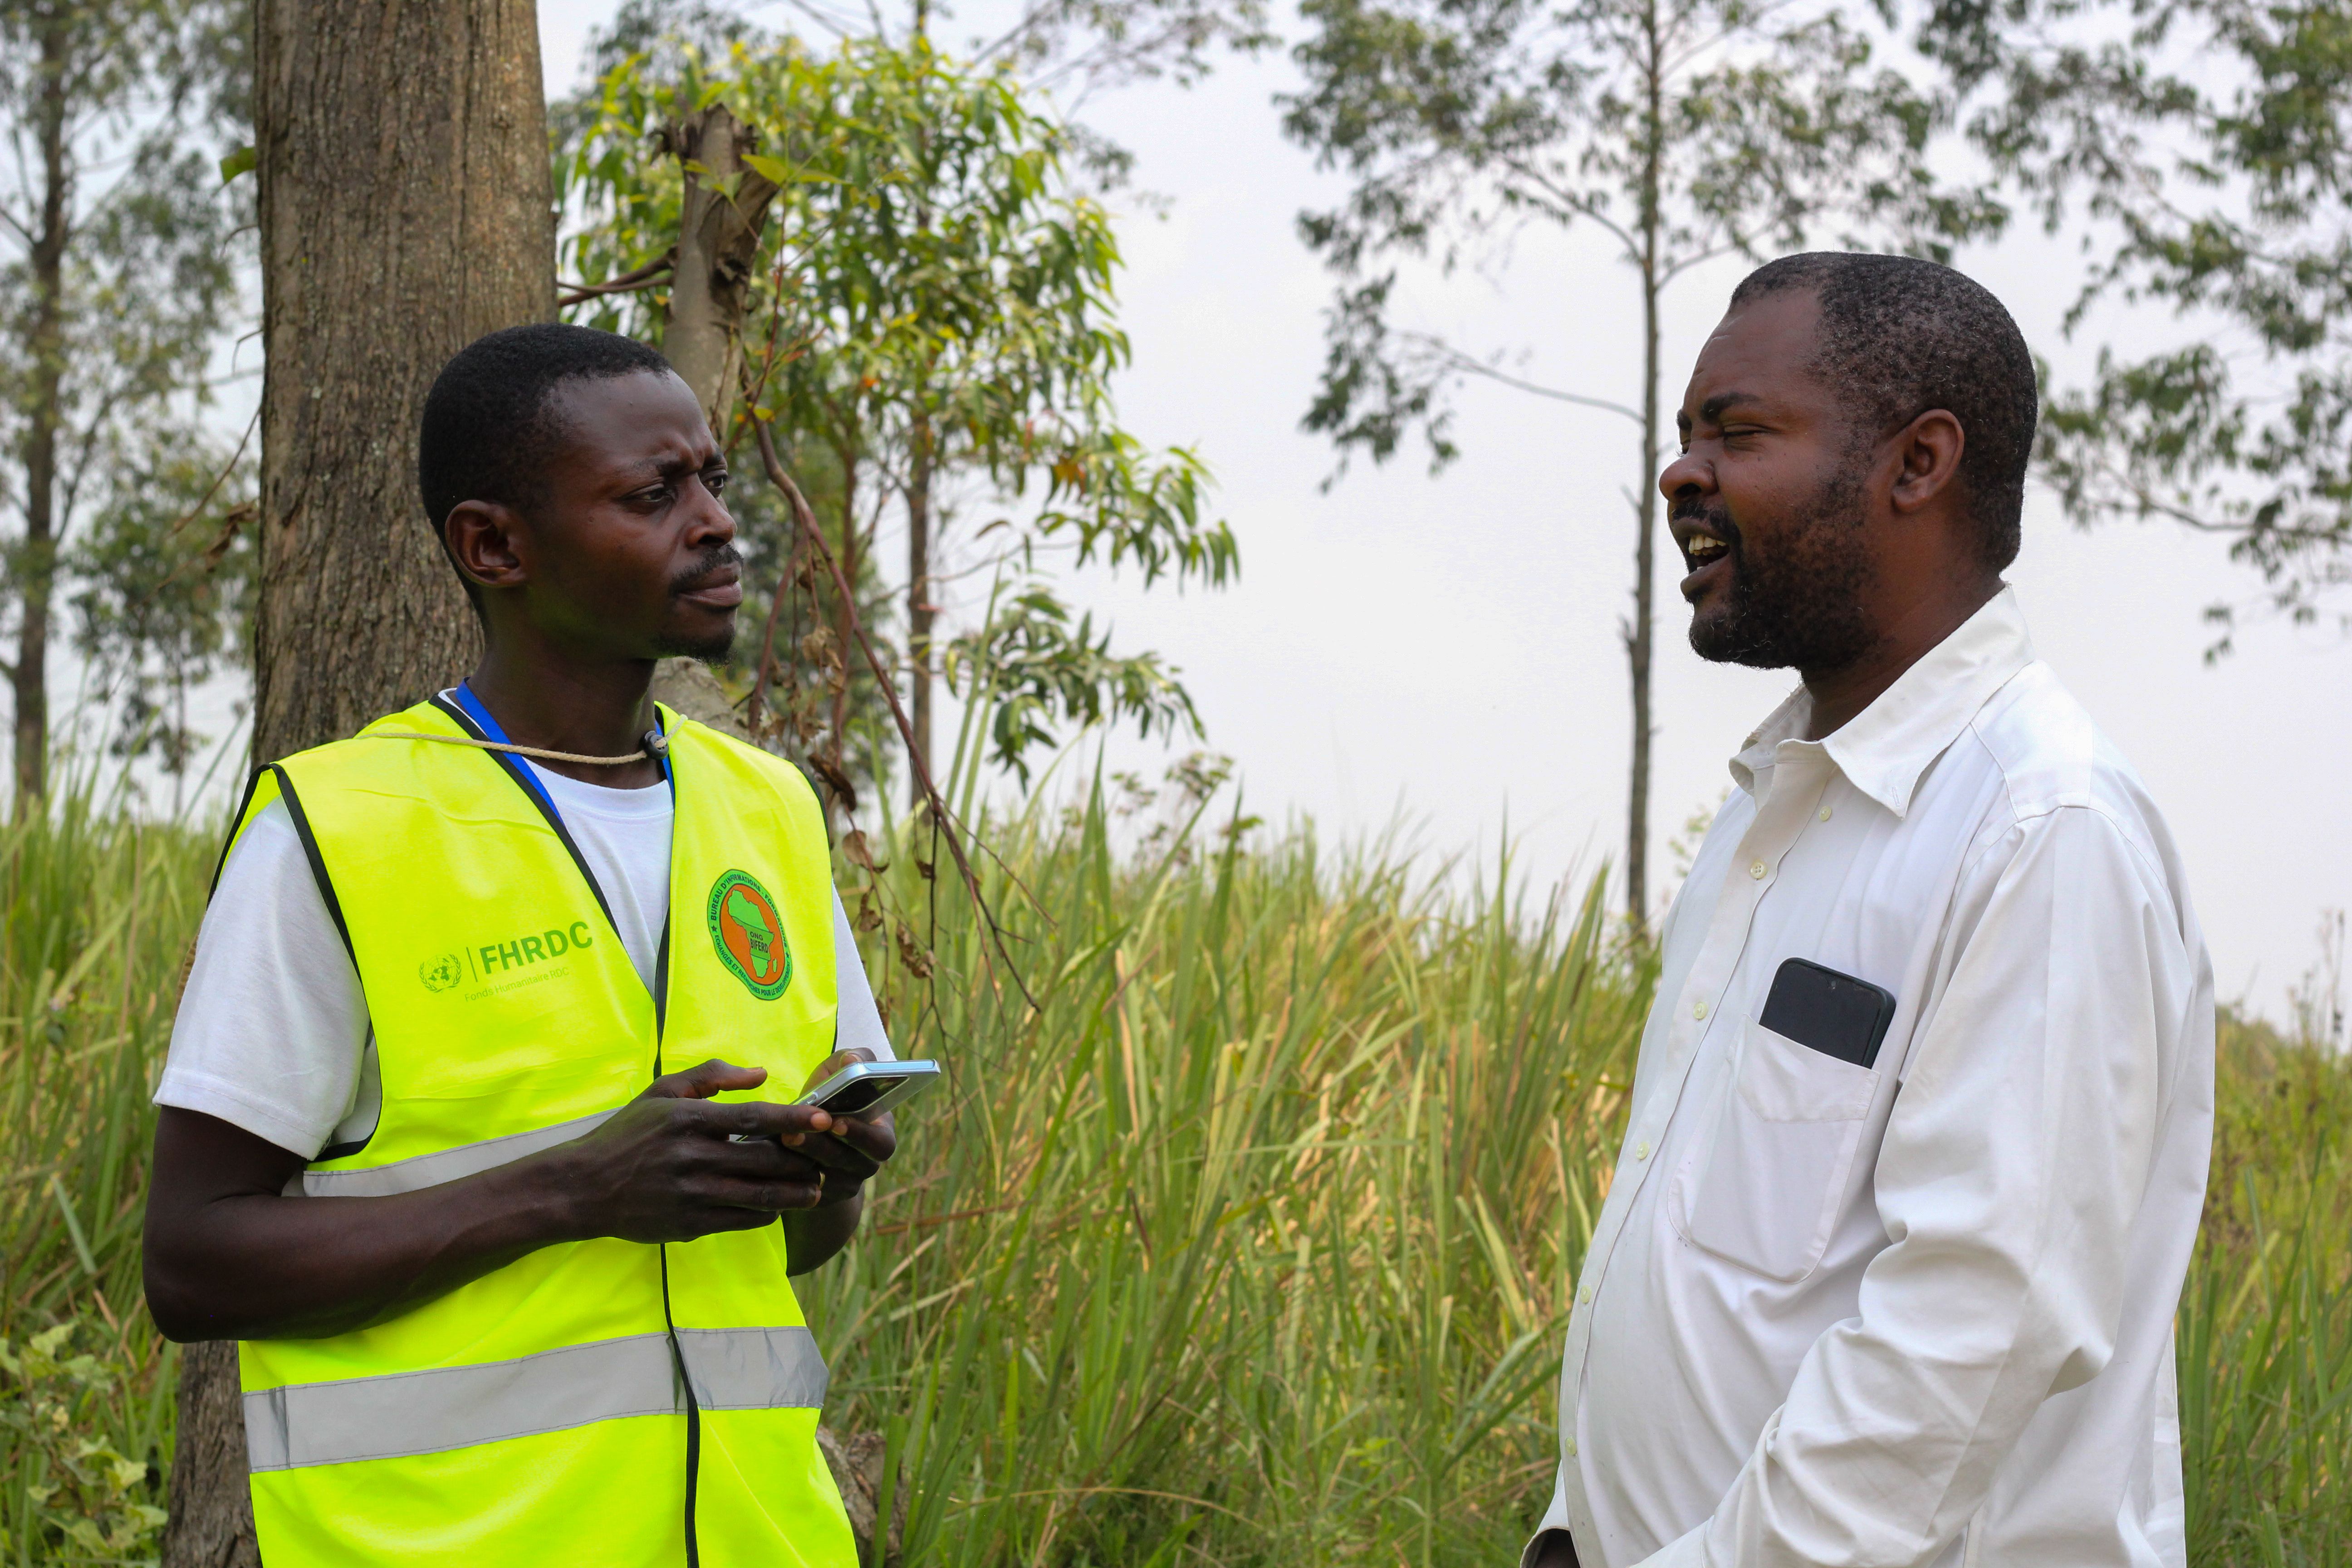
(272, 1034)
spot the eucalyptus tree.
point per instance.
(2209, 144)
(926, 309)
(116, 278)
(160, 589)
(1680, 130)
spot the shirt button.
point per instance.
(1698, 1009)
(1757, 871)
(1642, 1150)
(1585, 1296)
(1572, 1448)
(1825, 814)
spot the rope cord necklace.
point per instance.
(651, 748)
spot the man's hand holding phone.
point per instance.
(856, 1146)
(675, 1163)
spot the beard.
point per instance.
(1798, 604)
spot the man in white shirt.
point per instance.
(1919, 1311)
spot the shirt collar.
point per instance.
(1885, 749)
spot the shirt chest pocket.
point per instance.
(1764, 1190)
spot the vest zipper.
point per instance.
(693, 1418)
(669, 1322)
(514, 769)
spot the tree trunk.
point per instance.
(919, 609)
(45, 343)
(718, 244)
(1639, 635)
(405, 210)
(211, 1511)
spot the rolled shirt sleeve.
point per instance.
(2013, 1170)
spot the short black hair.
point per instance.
(1900, 336)
(487, 428)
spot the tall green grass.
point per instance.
(1244, 1238)
(1251, 1241)
(96, 913)
(2265, 1326)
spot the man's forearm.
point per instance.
(228, 1257)
(259, 1266)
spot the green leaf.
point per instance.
(775, 171)
(237, 163)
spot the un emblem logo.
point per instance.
(441, 974)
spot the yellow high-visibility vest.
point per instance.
(603, 1401)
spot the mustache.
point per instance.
(714, 560)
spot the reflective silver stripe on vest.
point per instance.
(448, 1165)
(459, 1406)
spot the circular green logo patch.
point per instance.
(749, 934)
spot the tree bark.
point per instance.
(1639, 635)
(406, 209)
(36, 561)
(211, 1521)
(717, 245)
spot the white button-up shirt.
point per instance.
(1919, 1313)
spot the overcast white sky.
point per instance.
(1445, 649)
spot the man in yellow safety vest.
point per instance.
(471, 1131)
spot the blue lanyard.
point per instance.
(492, 729)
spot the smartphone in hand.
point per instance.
(867, 1090)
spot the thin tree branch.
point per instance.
(915, 759)
(2147, 503)
(1031, 20)
(1579, 202)
(219, 480)
(1458, 361)
(1737, 241)
(645, 276)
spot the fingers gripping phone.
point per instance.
(867, 1090)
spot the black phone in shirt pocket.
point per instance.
(1825, 1011)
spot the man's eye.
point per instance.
(716, 483)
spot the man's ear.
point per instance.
(1928, 459)
(489, 541)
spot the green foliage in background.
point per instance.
(117, 281)
(96, 914)
(2209, 144)
(162, 591)
(936, 326)
(1249, 1245)
(1252, 1241)
(86, 1501)
(1673, 132)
